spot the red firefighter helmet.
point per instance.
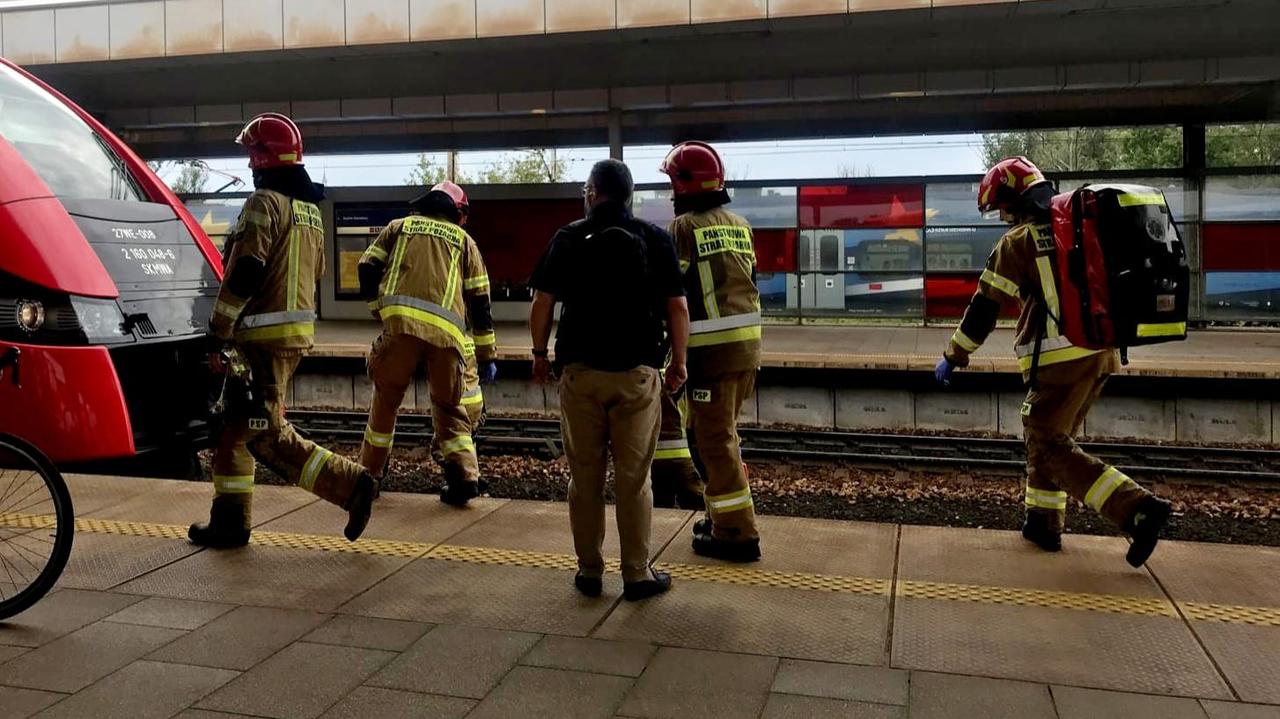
(458, 195)
(272, 141)
(1006, 181)
(693, 167)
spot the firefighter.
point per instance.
(264, 319)
(718, 260)
(428, 284)
(1063, 380)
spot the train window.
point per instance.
(852, 206)
(896, 250)
(829, 246)
(777, 293)
(72, 160)
(765, 206)
(1254, 197)
(960, 249)
(805, 251)
(955, 203)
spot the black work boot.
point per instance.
(664, 496)
(588, 586)
(359, 506)
(227, 528)
(702, 526)
(1144, 527)
(729, 550)
(1040, 529)
(458, 490)
(657, 583)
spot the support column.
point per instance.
(615, 134)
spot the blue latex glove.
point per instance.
(488, 372)
(942, 372)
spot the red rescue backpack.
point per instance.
(1123, 275)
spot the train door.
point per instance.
(800, 289)
(821, 260)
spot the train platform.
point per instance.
(1209, 353)
(440, 612)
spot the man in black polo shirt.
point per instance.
(620, 283)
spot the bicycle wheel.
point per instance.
(37, 524)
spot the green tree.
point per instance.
(190, 176)
(534, 166)
(426, 173)
(1254, 145)
(1134, 148)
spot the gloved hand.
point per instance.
(215, 348)
(942, 372)
(488, 372)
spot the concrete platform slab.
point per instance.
(1234, 710)
(1158, 654)
(876, 685)
(1213, 573)
(861, 409)
(1221, 420)
(681, 683)
(91, 493)
(170, 613)
(366, 633)
(73, 662)
(965, 412)
(518, 598)
(394, 704)
(171, 501)
(1009, 413)
(324, 390)
(1247, 655)
(1077, 703)
(62, 612)
(788, 706)
(805, 406)
(940, 696)
(1140, 417)
(517, 396)
(597, 656)
(142, 690)
(544, 527)
(456, 661)
(298, 683)
(22, 703)
(396, 517)
(101, 561)
(540, 693)
(268, 577)
(241, 638)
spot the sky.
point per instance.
(793, 159)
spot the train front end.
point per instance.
(106, 287)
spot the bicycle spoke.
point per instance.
(28, 494)
(38, 567)
(26, 508)
(9, 490)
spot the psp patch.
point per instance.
(702, 395)
(258, 424)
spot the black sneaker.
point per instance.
(213, 536)
(588, 586)
(1036, 529)
(360, 506)
(659, 583)
(1144, 527)
(747, 550)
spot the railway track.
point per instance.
(1218, 464)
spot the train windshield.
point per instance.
(71, 159)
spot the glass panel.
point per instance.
(1182, 199)
(775, 250)
(804, 252)
(653, 206)
(882, 250)
(829, 252)
(960, 249)
(765, 206)
(955, 203)
(217, 216)
(1242, 198)
(1242, 247)
(71, 159)
(512, 249)
(355, 226)
(1252, 145)
(1091, 149)
(851, 206)
(854, 294)
(1242, 296)
(947, 296)
(778, 294)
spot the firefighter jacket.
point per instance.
(433, 281)
(273, 259)
(1021, 268)
(718, 260)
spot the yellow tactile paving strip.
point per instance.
(717, 574)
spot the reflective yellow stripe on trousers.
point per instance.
(473, 397)
(732, 502)
(1105, 486)
(378, 439)
(233, 484)
(1046, 499)
(672, 449)
(311, 470)
(458, 445)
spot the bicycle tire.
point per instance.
(64, 525)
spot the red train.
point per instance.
(106, 286)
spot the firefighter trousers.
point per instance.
(715, 402)
(604, 413)
(261, 431)
(393, 363)
(1053, 414)
(472, 397)
(675, 478)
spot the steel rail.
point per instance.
(1224, 464)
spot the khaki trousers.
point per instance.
(674, 475)
(472, 397)
(603, 413)
(715, 402)
(262, 432)
(392, 365)
(1052, 416)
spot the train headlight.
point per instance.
(30, 315)
(100, 320)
